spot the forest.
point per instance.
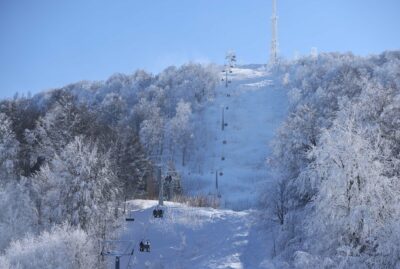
(70, 157)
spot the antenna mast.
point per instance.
(274, 41)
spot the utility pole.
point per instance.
(117, 262)
(161, 190)
(223, 120)
(216, 180)
(274, 40)
(109, 249)
(230, 62)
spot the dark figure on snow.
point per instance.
(158, 213)
(144, 246)
(168, 179)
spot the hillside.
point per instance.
(328, 175)
(253, 106)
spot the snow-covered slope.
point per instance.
(253, 106)
(193, 238)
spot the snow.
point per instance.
(190, 237)
(256, 107)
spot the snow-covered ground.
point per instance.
(254, 109)
(193, 238)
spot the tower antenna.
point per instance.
(274, 40)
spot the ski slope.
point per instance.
(235, 236)
(193, 238)
(254, 106)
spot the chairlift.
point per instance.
(130, 217)
(158, 213)
(224, 142)
(144, 246)
(221, 174)
(112, 248)
(223, 158)
(225, 124)
(228, 95)
(227, 107)
(168, 179)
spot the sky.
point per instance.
(46, 44)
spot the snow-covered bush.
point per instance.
(63, 247)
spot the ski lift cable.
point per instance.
(130, 258)
(128, 265)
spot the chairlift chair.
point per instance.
(158, 213)
(130, 217)
(144, 246)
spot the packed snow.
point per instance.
(254, 105)
(189, 237)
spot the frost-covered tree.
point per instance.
(63, 247)
(57, 128)
(337, 155)
(9, 147)
(78, 187)
(132, 166)
(113, 107)
(17, 215)
(180, 129)
(355, 199)
(152, 133)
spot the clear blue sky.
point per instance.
(50, 43)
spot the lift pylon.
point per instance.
(114, 248)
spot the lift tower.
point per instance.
(273, 57)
